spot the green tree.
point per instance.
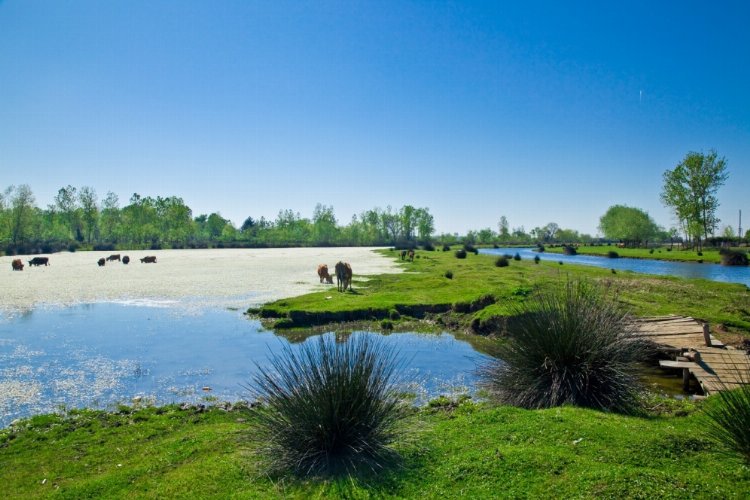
(690, 191)
(66, 204)
(89, 212)
(503, 229)
(425, 224)
(110, 217)
(22, 212)
(485, 236)
(325, 230)
(630, 225)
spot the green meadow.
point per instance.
(481, 297)
(452, 447)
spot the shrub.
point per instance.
(446, 248)
(429, 247)
(539, 247)
(700, 254)
(568, 345)
(470, 248)
(329, 408)
(569, 250)
(669, 249)
(449, 274)
(612, 254)
(729, 419)
(460, 253)
(502, 262)
(536, 259)
(394, 314)
(386, 324)
(517, 256)
(651, 251)
(733, 257)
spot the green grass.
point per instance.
(464, 450)
(661, 253)
(484, 294)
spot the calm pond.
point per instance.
(714, 272)
(99, 355)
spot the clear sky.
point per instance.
(539, 111)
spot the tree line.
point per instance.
(78, 219)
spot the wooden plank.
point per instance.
(676, 364)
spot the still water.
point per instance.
(103, 354)
(714, 272)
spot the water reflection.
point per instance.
(103, 354)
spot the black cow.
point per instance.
(149, 260)
(38, 261)
(114, 256)
(101, 262)
(125, 259)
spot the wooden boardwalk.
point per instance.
(715, 366)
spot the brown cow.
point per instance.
(410, 255)
(149, 260)
(38, 261)
(323, 274)
(114, 256)
(101, 262)
(343, 276)
(17, 265)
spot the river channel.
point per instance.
(714, 272)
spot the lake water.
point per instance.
(714, 272)
(100, 355)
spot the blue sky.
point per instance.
(539, 111)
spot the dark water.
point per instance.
(100, 355)
(714, 272)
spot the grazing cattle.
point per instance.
(114, 256)
(149, 260)
(403, 254)
(323, 274)
(411, 255)
(343, 276)
(101, 262)
(17, 265)
(38, 261)
(125, 259)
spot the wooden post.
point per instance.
(706, 335)
(686, 379)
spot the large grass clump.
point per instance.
(571, 344)
(731, 257)
(330, 408)
(729, 419)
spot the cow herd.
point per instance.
(343, 273)
(17, 264)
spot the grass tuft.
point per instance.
(571, 345)
(329, 408)
(729, 419)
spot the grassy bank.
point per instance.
(480, 297)
(464, 451)
(710, 255)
